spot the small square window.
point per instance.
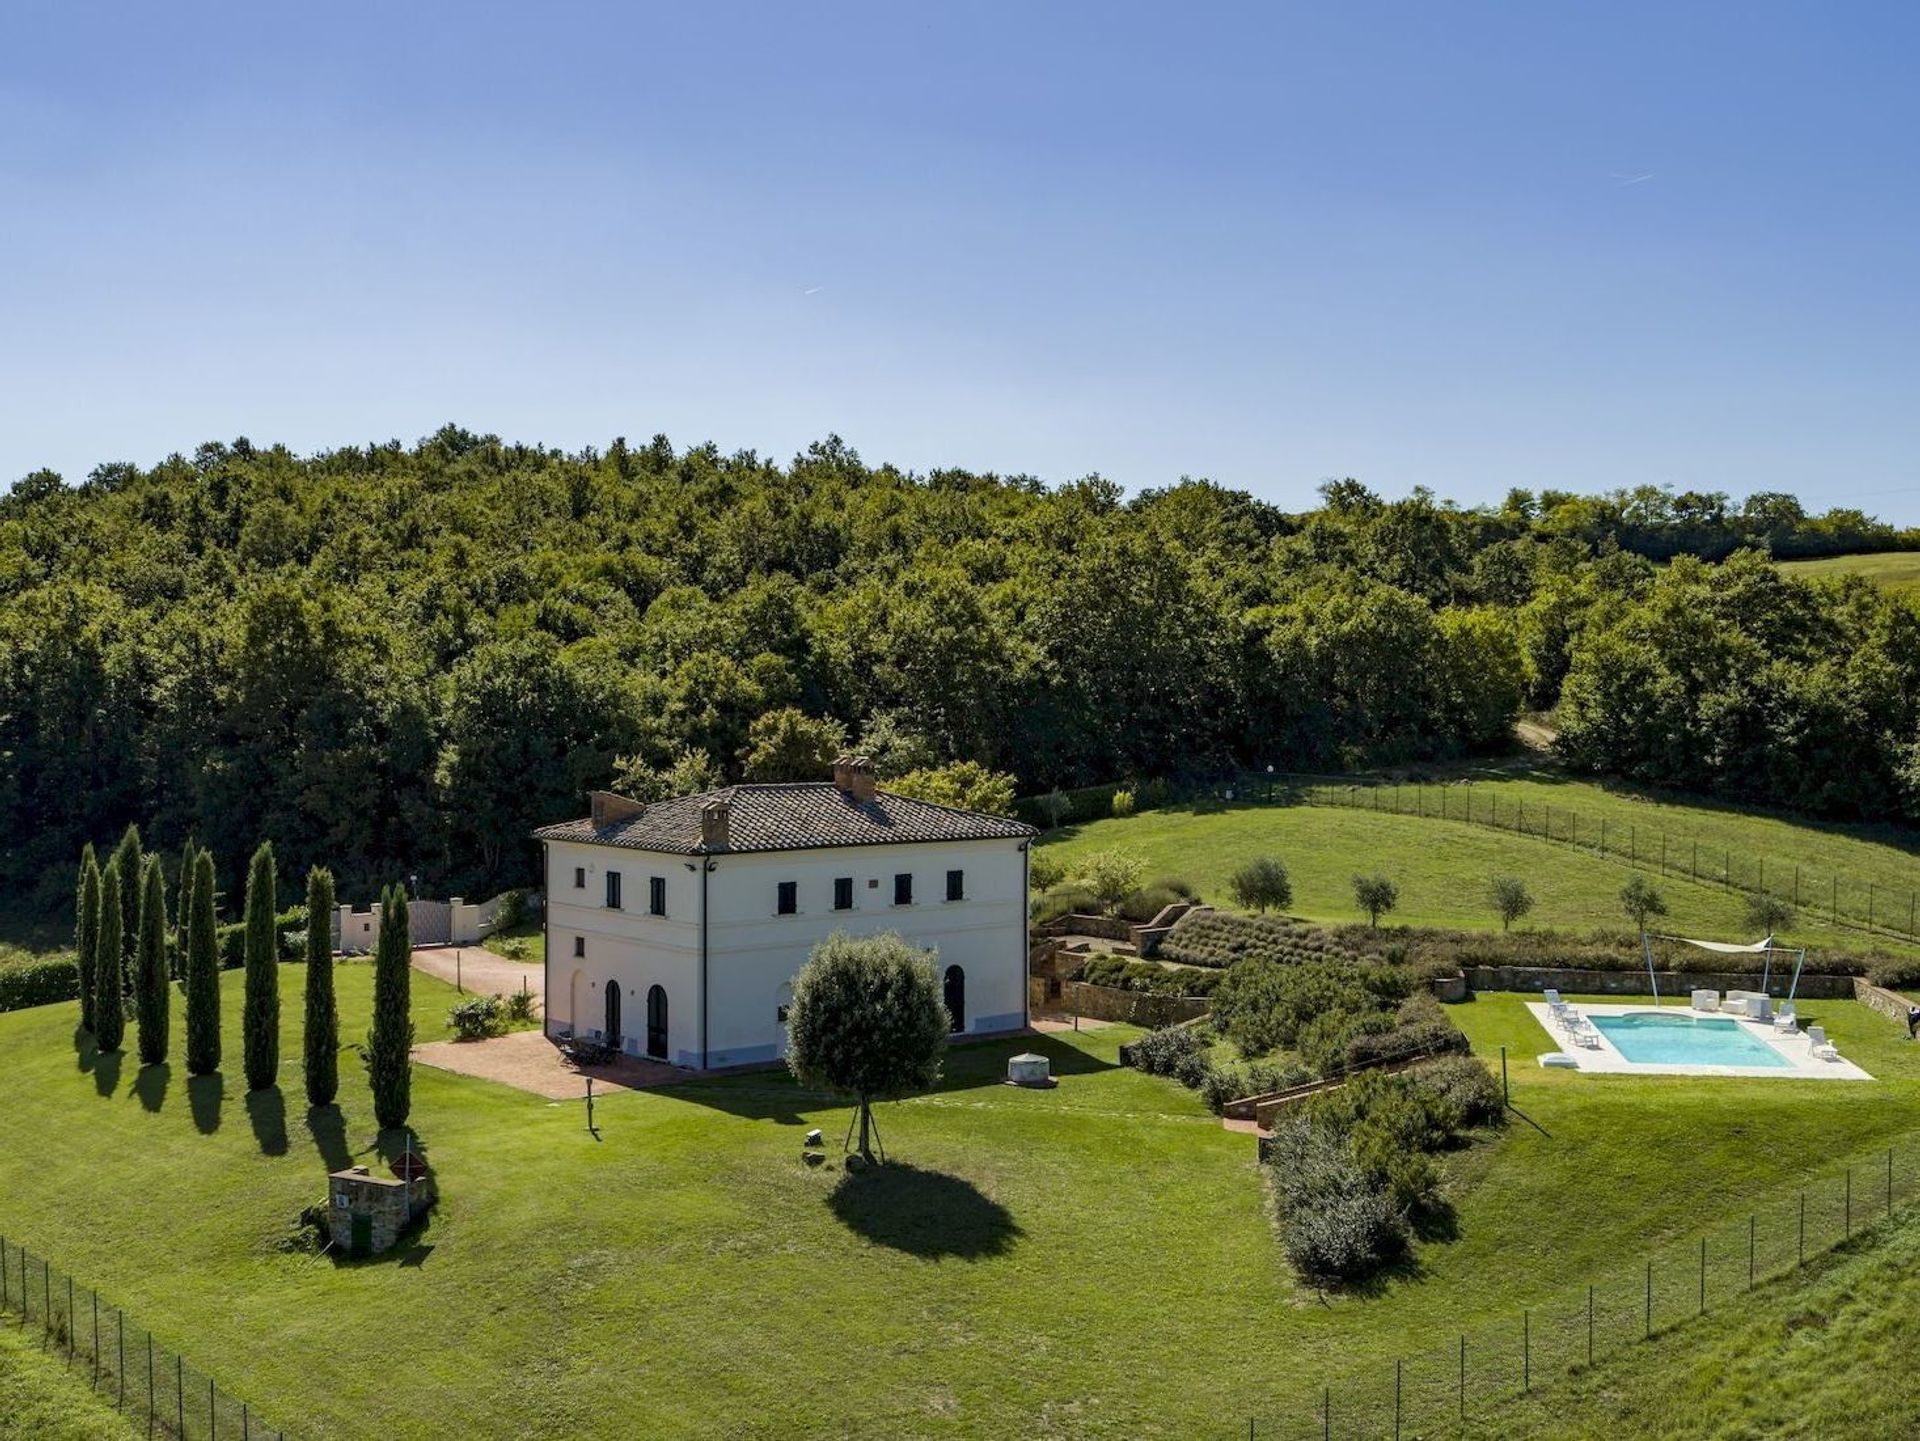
(843, 894)
(903, 889)
(579, 945)
(613, 890)
(789, 897)
(657, 895)
(579, 878)
(956, 885)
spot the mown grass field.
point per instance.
(1894, 569)
(1095, 1260)
(43, 1399)
(1830, 1352)
(1442, 866)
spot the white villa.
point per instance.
(674, 930)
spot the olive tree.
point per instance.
(1642, 901)
(1376, 895)
(1510, 897)
(1261, 884)
(867, 1020)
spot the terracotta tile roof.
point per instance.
(799, 815)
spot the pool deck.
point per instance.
(1606, 1060)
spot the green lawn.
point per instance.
(1829, 1352)
(524, 942)
(1442, 866)
(1894, 569)
(43, 1399)
(1095, 1260)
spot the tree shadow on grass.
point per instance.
(86, 1050)
(925, 1213)
(204, 1097)
(106, 1071)
(328, 1127)
(267, 1111)
(150, 1084)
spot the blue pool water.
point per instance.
(1655, 1040)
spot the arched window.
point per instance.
(956, 992)
(613, 1015)
(657, 1022)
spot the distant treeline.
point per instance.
(396, 660)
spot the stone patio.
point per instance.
(528, 1061)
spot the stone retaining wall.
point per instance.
(1110, 1003)
(1887, 1003)
(1634, 983)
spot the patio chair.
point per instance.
(1784, 1022)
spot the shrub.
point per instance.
(1222, 1084)
(1147, 902)
(38, 982)
(513, 910)
(477, 1017)
(1160, 1052)
(521, 1005)
(1154, 794)
(1467, 1085)
(1065, 900)
(1192, 1069)
(1044, 870)
(1110, 874)
(1893, 972)
(1510, 898)
(1336, 1222)
(1122, 804)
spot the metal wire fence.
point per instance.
(1845, 901)
(1463, 1377)
(121, 1360)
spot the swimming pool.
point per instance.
(1680, 1040)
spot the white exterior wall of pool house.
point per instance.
(753, 952)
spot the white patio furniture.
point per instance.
(1706, 1000)
(1784, 1023)
(1823, 1049)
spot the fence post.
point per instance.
(1753, 1224)
(1649, 1300)
(1526, 1350)
(1703, 1275)
(1326, 1413)
(1870, 889)
(1589, 1324)
(213, 1413)
(96, 1341)
(1835, 905)
(120, 1328)
(1603, 837)
(1803, 1230)
(69, 1318)
(1506, 1093)
(123, 1319)
(179, 1391)
(46, 1295)
(1848, 1233)
(1398, 1364)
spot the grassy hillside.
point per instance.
(1442, 865)
(1897, 570)
(1095, 1260)
(1831, 1352)
(41, 1399)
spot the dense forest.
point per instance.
(397, 660)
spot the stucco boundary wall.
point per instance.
(455, 922)
(1672, 983)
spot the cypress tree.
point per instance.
(323, 1016)
(109, 1015)
(260, 1019)
(390, 1042)
(86, 922)
(183, 908)
(203, 975)
(150, 975)
(131, 858)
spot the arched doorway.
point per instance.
(657, 1022)
(613, 1015)
(956, 991)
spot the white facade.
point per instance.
(723, 955)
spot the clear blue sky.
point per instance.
(1268, 244)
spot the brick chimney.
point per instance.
(863, 779)
(843, 773)
(716, 824)
(608, 809)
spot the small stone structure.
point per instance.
(1027, 1069)
(366, 1213)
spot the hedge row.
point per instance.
(39, 982)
